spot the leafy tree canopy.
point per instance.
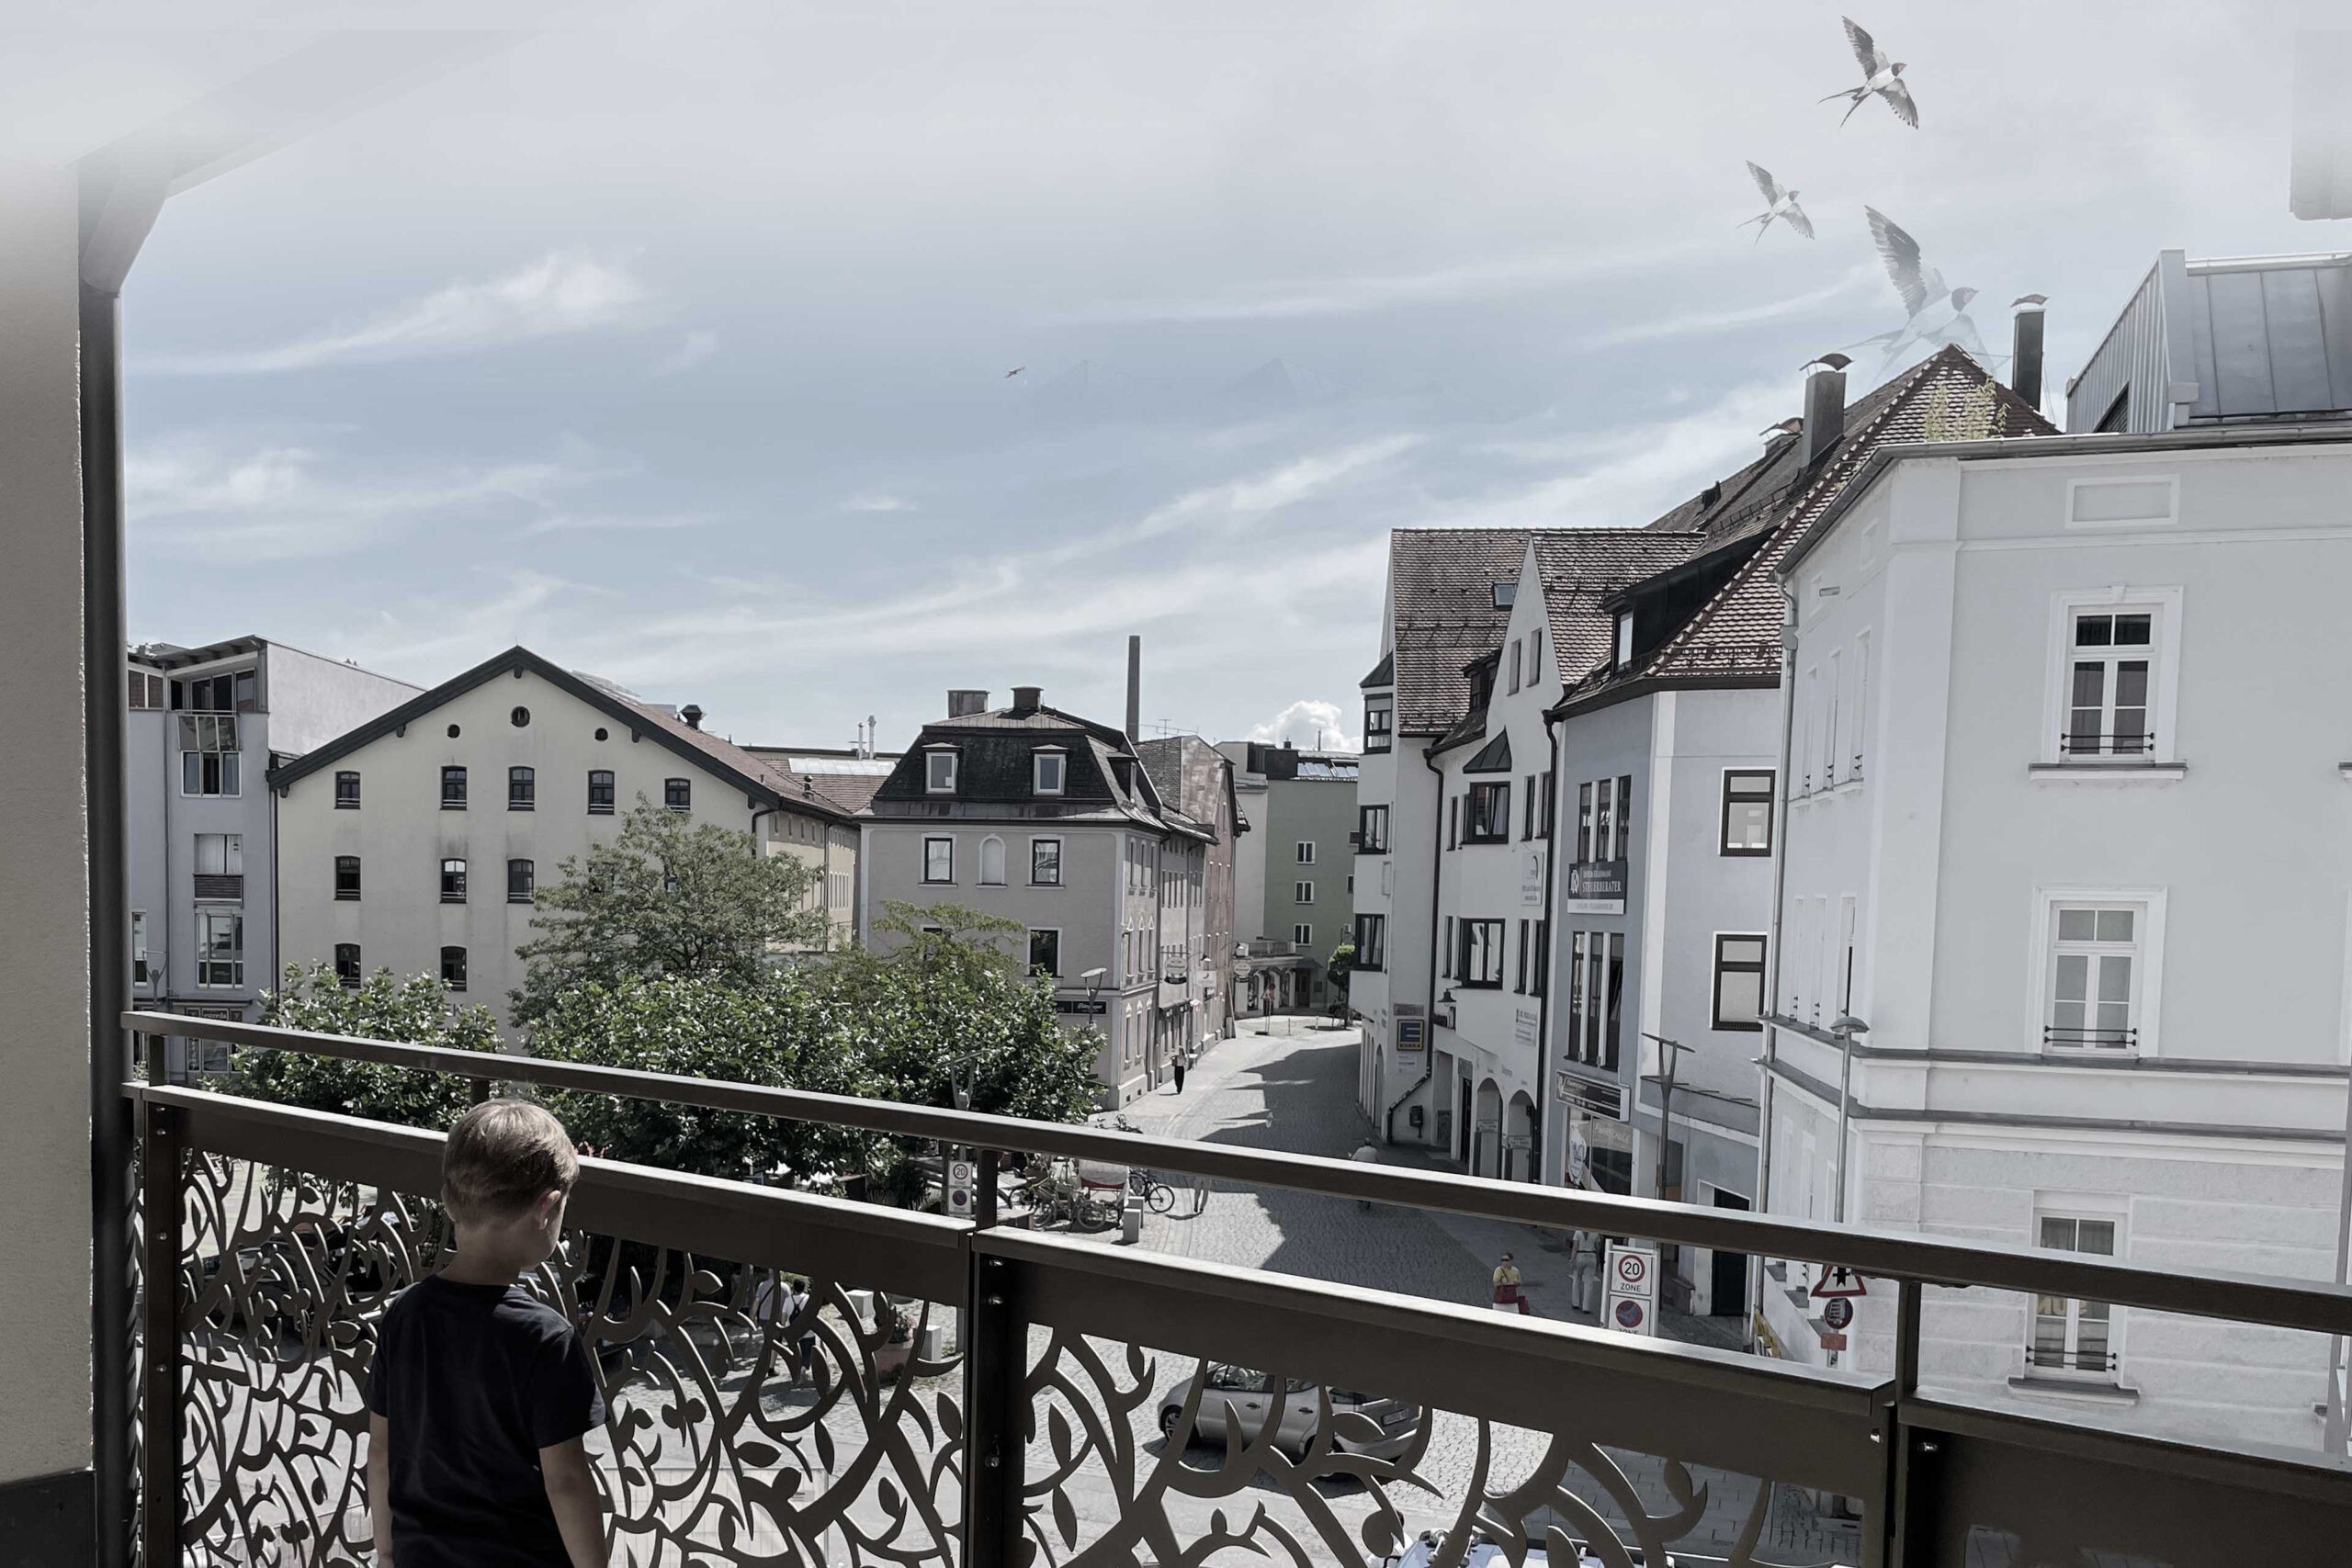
(416, 1010)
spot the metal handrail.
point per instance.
(2314, 1305)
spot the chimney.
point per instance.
(1824, 414)
(1028, 699)
(963, 702)
(692, 714)
(2025, 369)
(1134, 686)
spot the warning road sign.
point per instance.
(1837, 1280)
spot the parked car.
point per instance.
(1237, 1398)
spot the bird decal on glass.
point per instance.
(1778, 203)
(1880, 77)
(1933, 313)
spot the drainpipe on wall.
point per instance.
(1437, 882)
(1543, 1097)
(1772, 949)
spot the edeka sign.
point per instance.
(1595, 888)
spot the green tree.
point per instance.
(1338, 969)
(416, 1010)
(664, 897)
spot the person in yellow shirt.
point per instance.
(1508, 1296)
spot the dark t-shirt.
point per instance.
(473, 1381)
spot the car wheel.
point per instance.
(1168, 1421)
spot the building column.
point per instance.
(45, 1127)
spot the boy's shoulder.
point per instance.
(507, 1310)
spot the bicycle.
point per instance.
(1156, 1195)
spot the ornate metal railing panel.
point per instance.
(737, 1430)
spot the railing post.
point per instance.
(1905, 1514)
(159, 1415)
(478, 1091)
(995, 1365)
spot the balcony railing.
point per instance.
(980, 1396)
(2058, 1037)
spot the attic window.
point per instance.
(1624, 637)
(1048, 766)
(939, 772)
(1505, 594)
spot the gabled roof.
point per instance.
(1583, 571)
(1382, 673)
(1494, 757)
(775, 786)
(1734, 639)
(1442, 585)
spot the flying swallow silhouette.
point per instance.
(1880, 76)
(1014, 371)
(1778, 203)
(1933, 314)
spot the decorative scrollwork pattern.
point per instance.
(736, 1431)
(1136, 1455)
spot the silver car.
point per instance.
(1235, 1399)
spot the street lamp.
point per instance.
(1845, 1029)
(1671, 1050)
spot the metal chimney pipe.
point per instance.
(1134, 686)
(2024, 368)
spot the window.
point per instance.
(1307, 852)
(1622, 647)
(939, 860)
(1739, 982)
(2071, 1336)
(1516, 653)
(1303, 935)
(1303, 893)
(1579, 945)
(1604, 820)
(992, 862)
(453, 789)
(1045, 863)
(453, 968)
(1372, 830)
(1543, 965)
(1481, 960)
(209, 757)
(678, 794)
(1454, 822)
(1445, 952)
(1372, 941)
(1487, 818)
(1534, 655)
(1861, 727)
(1506, 595)
(346, 878)
(219, 947)
(1544, 809)
(1379, 724)
(145, 691)
(1612, 1013)
(2107, 667)
(1833, 715)
(1625, 816)
(346, 791)
(346, 964)
(2094, 978)
(522, 882)
(139, 973)
(1048, 769)
(220, 855)
(1748, 811)
(600, 792)
(453, 882)
(939, 772)
(1046, 952)
(1519, 982)
(522, 789)
(519, 716)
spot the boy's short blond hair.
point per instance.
(502, 1157)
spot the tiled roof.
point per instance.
(1583, 569)
(1738, 634)
(792, 788)
(1442, 582)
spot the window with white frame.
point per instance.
(1806, 690)
(1307, 852)
(1534, 655)
(939, 860)
(939, 771)
(1739, 982)
(1858, 731)
(2110, 660)
(2097, 968)
(219, 947)
(1303, 935)
(1517, 653)
(1622, 647)
(1045, 863)
(1748, 811)
(209, 756)
(2069, 1334)
(1833, 761)
(1048, 768)
(1304, 892)
(991, 862)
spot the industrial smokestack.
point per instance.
(1134, 686)
(1824, 415)
(2025, 366)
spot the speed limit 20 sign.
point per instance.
(1629, 1281)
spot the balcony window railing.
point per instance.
(979, 1396)
(2056, 1038)
(2121, 743)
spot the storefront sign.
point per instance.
(1080, 1004)
(1531, 879)
(1595, 888)
(1524, 1027)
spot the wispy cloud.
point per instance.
(1693, 322)
(1342, 295)
(561, 293)
(698, 345)
(1242, 502)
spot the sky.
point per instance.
(683, 355)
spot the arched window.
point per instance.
(522, 789)
(346, 877)
(522, 882)
(453, 968)
(992, 862)
(453, 882)
(600, 792)
(346, 791)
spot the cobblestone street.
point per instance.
(1293, 1089)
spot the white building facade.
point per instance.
(418, 841)
(2065, 848)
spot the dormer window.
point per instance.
(939, 771)
(1048, 766)
(1624, 637)
(1506, 595)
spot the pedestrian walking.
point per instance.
(1179, 1071)
(1366, 1154)
(1509, 1296)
